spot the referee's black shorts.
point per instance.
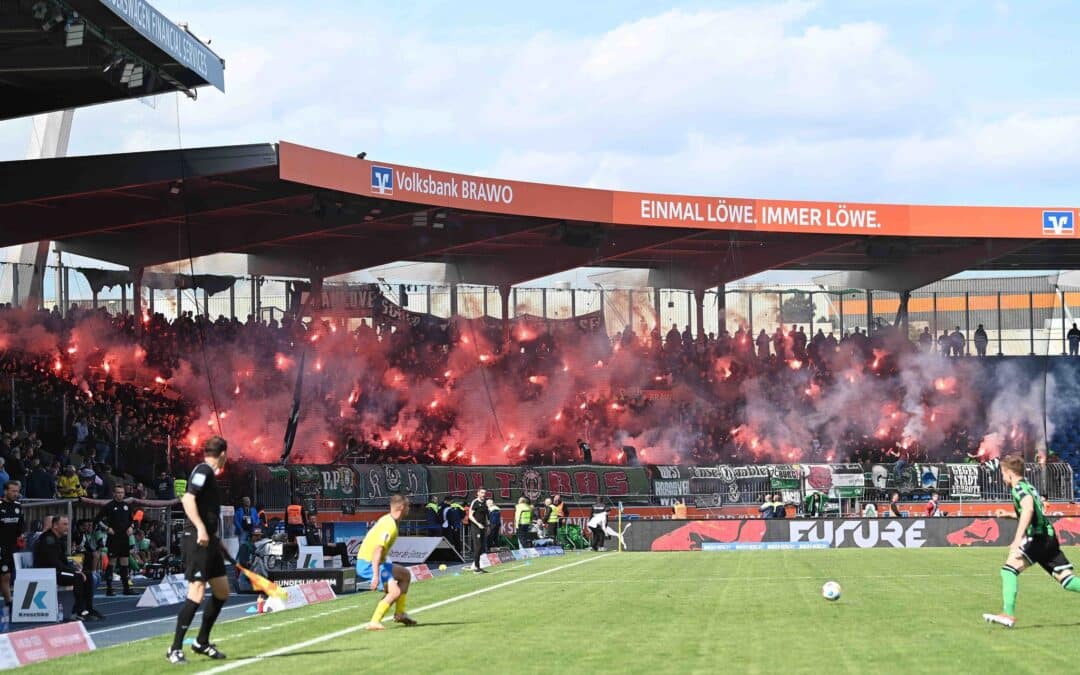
(1045, 551)
(119, 545)
(203, 563)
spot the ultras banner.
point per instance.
(363, 484)
(576, 484)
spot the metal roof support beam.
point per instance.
(343, 255)
(525, 266)
(909, 275)
(742, 262)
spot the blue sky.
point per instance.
(925, 102)
(940, 102)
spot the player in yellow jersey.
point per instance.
(372, 566)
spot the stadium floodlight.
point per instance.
(49, 14)
(136, 78)
(74, 33)
(132, 75)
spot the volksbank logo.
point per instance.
(1059, 223)
(382, 180)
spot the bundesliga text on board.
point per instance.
(1059, 223)
(384, 179)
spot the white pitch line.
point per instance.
(352, 629)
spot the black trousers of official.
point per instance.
(524, 533)
(338, 549)
(598, 537)
(478, 546)
(83, 588)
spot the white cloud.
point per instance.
(769, 100)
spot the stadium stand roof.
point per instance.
(297, 211)
(59, 54)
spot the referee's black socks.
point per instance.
(183, 620)
(209, 616)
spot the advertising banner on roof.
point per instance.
(171, 39)
(496, 195)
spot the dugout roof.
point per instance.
(59, 54)
(298, 211)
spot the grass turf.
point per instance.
(915, 610)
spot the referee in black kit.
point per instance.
(478, 518)
(204, 558)
(117, 516)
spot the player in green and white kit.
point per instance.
(1035, 543)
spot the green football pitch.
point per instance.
(913, 611)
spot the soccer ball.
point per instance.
(831, 590)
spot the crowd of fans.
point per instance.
(119, 419)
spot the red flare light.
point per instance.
(57, 365)
(945, 384)
(795, 364)
(236, 392)
(565, 368)
(615, 406)
(315, 337)
(318, 365)
(105, 366)
(446, 374)
(533, 379)
(72, 349)
(484, 358)
(599, 364)
(582, 406)
(558, 416)
(433, 405)
(385, 444)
